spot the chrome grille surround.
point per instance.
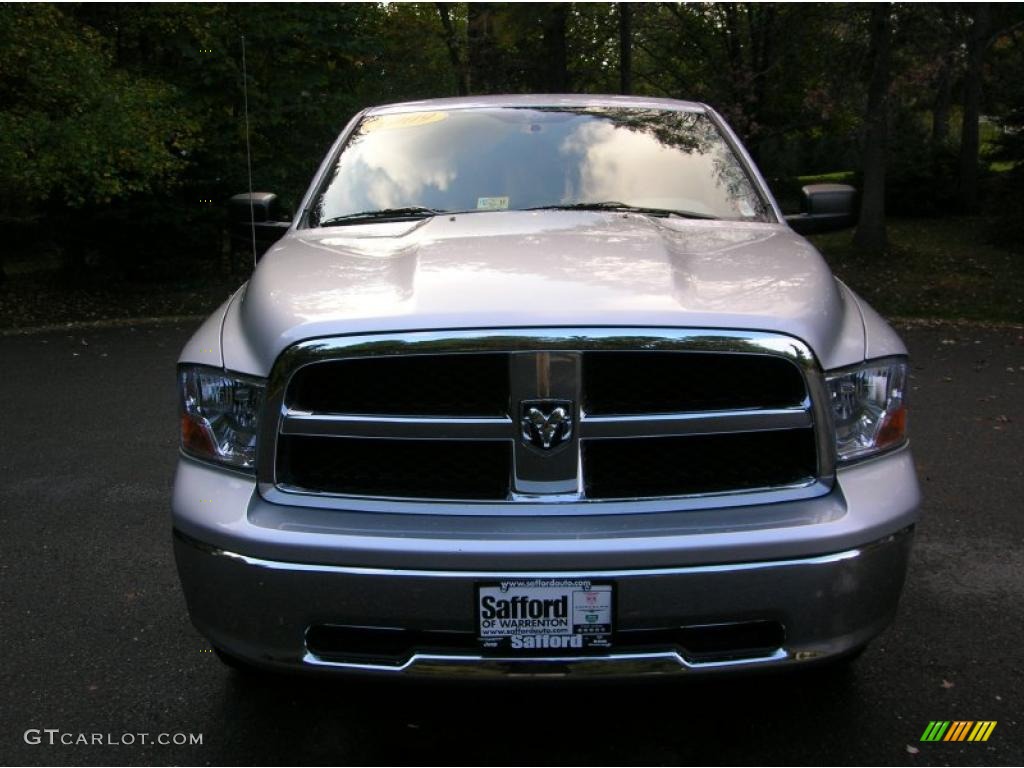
(545, 362)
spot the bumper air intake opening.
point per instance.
(714, 642)
(388, 646)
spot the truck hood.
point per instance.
(540, 268)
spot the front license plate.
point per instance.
(544, 615)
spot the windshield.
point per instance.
(509, 158)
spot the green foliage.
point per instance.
(779, 73)
(73, 129)
(921, 179)
(1006, 198)
(836, 177)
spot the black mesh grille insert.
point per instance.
(664, 382)
(439, 469)
(429, 385)
(671, 466)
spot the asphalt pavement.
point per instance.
(96, 641)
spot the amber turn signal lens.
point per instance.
(894, 429)
(196, 437)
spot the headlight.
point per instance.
(869, 407)
(219, 415)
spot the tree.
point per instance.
(72, 127)
(947, 71)
(76, 133)
(592, 46)
(484, 61)
(507, 48)
(870, 234)
(453, 42)
(555, 23)
(970, 140)
(777, 72)
(625, 48)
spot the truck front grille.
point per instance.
(662, 466)
(519, 417)
(667, 382)
(454, 469)
(413, 385)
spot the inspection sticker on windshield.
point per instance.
(544, 614)
(491, 203)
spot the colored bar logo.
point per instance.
(958, 730)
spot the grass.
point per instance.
(934, 268)
(837, 177)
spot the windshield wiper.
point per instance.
(615, 205)
(384, 214)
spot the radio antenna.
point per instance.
(248, 151)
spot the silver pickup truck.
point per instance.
(542, 385)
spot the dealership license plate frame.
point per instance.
(590, 607)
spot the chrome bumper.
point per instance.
(611, 665)
(259, 610)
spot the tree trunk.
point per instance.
(556, 55)
(452, 42)
(485, 69)
(942, 104)
(870, 235)
(761, 29)
(3, 220)
(625, 48)
(970, 141)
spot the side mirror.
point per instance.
(259, 211)
(826, 208)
